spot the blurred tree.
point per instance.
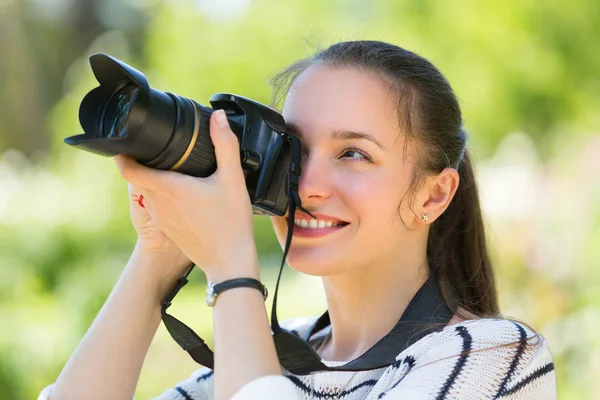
(39, 41)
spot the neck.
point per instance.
(365, 304)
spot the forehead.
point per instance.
(324, 98)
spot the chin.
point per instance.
(326, 259)
(316, 263)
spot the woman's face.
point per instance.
(354, 172)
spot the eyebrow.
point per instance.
(339, 135)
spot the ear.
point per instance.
(436, 194)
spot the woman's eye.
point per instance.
(353, 155)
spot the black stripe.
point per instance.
(185, 394)
(515, 361)
(205, 376)
(536, 374)
(322, 395)
(408, 360)
(467, 341)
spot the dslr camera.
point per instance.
(162, 130)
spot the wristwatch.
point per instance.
(213, 290)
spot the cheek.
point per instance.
(372, 196)
(408, 215)
(375, 199)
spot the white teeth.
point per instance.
(315, 224)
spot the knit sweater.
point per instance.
(471, 360)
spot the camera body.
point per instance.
(265, 151)
(162, 130)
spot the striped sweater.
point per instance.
(477, 359)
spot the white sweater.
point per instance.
(501, 365)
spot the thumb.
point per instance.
(227, 145)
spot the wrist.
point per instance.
(160, 270)
(149, 250)
(235, 267)
(222, 276)
(214, 290)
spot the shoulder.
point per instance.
(484, 336)
(496, 357)
(485, 333)
(492, 330)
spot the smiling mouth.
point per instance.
(318, 224)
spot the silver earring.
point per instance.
(425, 217)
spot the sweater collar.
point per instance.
(426, 313)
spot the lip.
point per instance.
(321, 217)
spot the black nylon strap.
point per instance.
(185, 337)
(189, 341)
(293, 178)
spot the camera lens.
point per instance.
(161, 130)
(117, 112)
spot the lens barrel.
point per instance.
(124, 115)
(190, 149)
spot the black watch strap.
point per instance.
(212, 291)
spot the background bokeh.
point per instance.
(528, 77)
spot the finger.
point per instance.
(147, 203)
(227, 146)
(135, 193)
(141, 176)
(138, 196)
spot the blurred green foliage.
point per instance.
(526, 74)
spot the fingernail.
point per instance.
(221, 119)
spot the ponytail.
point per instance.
(457, 250)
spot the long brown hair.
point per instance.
(430, 117)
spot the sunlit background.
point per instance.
(528, 78)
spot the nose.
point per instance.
(315, 180)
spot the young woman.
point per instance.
(387, 174)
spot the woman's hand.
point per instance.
(208, 219)
(152, 244)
